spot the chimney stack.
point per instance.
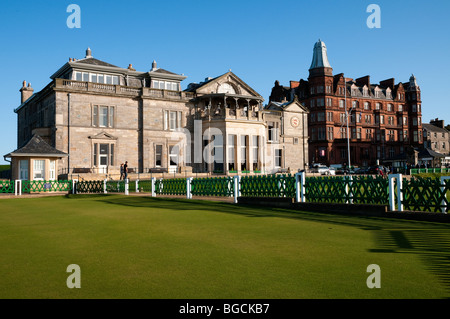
(26, 91)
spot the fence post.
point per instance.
(153, 187)
(347, 189)
(444, 207)
(74, 186)
(18, 190)
(399, 192)
(126, 186)
(298, 187)
(237, 188)
(105, 191)
(303, 188)
(137, 186)
(188, 188)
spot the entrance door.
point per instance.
(23, 170)
(103, 159)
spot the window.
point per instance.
(96, 78)
(231, 152)
(38, 169)
(389, 107)
(341, 103)
(381, 119)
(278, 157)
(52, 171)
(321, 133)
(103, 155)
(166, 85)
(366, 106)
(400, 108)
(244, 156)
(103, 116)
(416, 136)
(255, 153)
(377, 106)
(330, 133)
(321, 116)
(358, 133)
(172, 120)
(272, 132)
(342, 118)
(330, 116)
(329, 101)
(173, 155)
(158, 155)
(414, 108)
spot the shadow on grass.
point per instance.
(430, 241)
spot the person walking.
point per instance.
(122, 173)
(125, 170)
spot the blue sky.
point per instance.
(260, 41)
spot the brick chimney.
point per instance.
(26, 91)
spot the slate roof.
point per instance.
(94, 61)
(434, 128)
(427, 152)
(38, 147)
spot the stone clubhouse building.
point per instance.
(98, 115)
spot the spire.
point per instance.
(413, 83)
(154, 65)
(320, 57)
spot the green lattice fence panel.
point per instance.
(326, 190)
(173, 186)
(89, 187)
(337, 189)
(425, 194)
(268, 186)
(7, 187)
(46, 186)
(368, 190)
(145, 186)
(216, 186)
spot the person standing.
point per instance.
(122, 173)
(125, 170)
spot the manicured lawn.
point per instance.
(139, 247)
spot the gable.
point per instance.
(102, 136)
(228, 83)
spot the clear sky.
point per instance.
(260, 41)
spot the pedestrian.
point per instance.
(125, 170)
(122, 173)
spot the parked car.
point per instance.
(377, 170)
(362, 170)
(345, 171)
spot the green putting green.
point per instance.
(141, 247)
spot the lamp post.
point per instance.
(347, 115)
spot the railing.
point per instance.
(46, 186)
(123, 90)
(268, 186)
(429, 170)
(7, 187)
(415, 194)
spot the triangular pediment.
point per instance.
(227, 83)
(103, 136)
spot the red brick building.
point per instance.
(384, 120)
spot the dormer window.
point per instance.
(165, 85)
(96, 78)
